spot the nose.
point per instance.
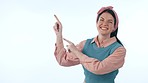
(105, 23)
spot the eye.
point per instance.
(101, 20)
(110, 22)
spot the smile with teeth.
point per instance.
(104, 28)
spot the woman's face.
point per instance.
(105, 24)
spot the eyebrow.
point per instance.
(108, 20)
(102, 17)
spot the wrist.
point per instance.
(77, 53)
(59, 35)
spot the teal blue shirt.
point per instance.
(100, 53)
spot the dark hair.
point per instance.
(116, 31)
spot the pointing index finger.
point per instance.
(56, 18)
(68, 41)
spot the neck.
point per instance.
(102, 37)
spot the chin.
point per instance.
(104, 33)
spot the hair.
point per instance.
(114, 33)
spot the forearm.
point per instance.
(59, 42)
(111, 63)
(63, 57)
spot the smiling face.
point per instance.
(105, 24)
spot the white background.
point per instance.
(27, 38)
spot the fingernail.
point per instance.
(69, 50)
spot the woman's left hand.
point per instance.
(71, 47)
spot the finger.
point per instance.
(57, 18)
(69, 50)
(55, 29)
(57, 25)
(68, 41)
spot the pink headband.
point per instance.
(110, 8)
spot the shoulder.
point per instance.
(82, 43)
(117, 47)
(120, 51)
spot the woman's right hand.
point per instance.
(57, 27)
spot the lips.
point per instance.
(103, 28)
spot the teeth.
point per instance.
(104, 28)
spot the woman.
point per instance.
(101, 56)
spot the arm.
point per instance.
(63, 57)
(111, 63)
(67, 58)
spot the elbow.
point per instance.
(122, 64)
(64, 64)
(68, 64)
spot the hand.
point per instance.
(57, 27)
(71, 47)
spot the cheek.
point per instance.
(112, 28)
(97, 24)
